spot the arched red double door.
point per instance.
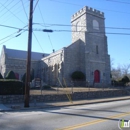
(96, 76)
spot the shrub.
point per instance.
(46, 87)
(117, 83)
(125, 79)
(78, 75)
(11, 87)
(1, 77)
(24, 78)
(10, 75)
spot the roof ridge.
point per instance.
(25, 51)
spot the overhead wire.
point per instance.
(47, 24)
(83, 5)
(38, 42)
(35, 5)
(2, 8)
(44, 24)
(12, 27)
(24, 9)
(90, 32)
(9, 9)
(8, 17)
(17, 33)
(33, 32)
(66, 3)
(63, 31)
(8, 36)
(50, 30)
(117, 1)
(11, 37)
(7, 40)
(35, 29)
(12, 13)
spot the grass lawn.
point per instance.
(59, 90)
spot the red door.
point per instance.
(17, 75)
(96, 76)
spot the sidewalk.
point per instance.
(20, 106)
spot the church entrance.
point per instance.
(96, 76)
(17, 75)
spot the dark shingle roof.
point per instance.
(23, 54)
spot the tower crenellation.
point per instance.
(87, 9)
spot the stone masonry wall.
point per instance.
(63, 97)
(74, 59)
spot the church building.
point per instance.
(88, 53)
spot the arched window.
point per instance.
(95, 25)
(78, 26)
(96, 76)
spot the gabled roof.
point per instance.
(19, 54)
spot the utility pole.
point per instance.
(28, 66)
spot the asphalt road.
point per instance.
(101, 116)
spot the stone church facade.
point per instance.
(88, 52)
(15, 60)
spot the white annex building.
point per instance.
(88, 53)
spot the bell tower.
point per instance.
(87, 20)
(88, 26)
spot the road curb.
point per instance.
(64, 105)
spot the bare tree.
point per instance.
(121, 71)
(126, 69)
(116, 73)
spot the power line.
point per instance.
(13, 27)
(8, 36)
(9, 16)
(44, 24)
(12, 13)
(24, 9)
(115, 11)
(47, 24)
(91, 32)
(9, 9)
(11, 37)
(66, 3)
(62, 25)
(50, 30)
(118, 1)
(35, 5)
(7, 40)
(83, 5)
(5, 5)
(38, 42)
(64, 31)
(18, 33)
(42, 30)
